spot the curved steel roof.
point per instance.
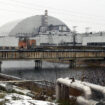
(27, 25)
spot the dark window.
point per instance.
(96, 44)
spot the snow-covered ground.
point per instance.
(14, 95)
(17, 99)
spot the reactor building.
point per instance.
(42, 28)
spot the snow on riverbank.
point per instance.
(14, 95)
(17, 99)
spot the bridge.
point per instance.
(66, 53)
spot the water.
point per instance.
(52, 71)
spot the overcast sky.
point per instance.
(80, 13)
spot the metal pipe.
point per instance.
(95, 87)
(76, 85)
(83, 101)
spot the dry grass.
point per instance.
(2, 103)
(2, 95)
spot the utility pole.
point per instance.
(74, 43)
(87, 30)
(74, 35)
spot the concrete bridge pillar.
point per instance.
(0, 65)
(38, 64)
(72, 63)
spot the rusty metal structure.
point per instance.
(26, 43)
(49, 54)
(59, 53)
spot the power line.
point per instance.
(65, 12)
(70, 19)
(85, 21)
(60, 10)
(49, 7)
(38, 9)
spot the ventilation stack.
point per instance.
(45, 21)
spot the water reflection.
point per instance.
(91, 74)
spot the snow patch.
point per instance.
(16, 99)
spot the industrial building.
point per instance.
(46, 30)
(96, 39)
(9, 41)
(42, 28)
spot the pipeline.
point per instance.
(76, 85)
(95, 87)
(85, 87)
(83, 101)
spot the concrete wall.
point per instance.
(9, 42)
(54, 38)
(93, 39)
